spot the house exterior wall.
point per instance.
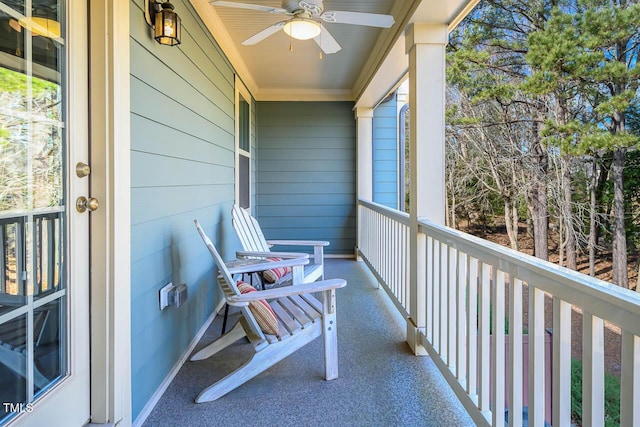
(385, 153)
(182, 168)
(306, 172)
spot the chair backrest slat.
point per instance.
(248, 231)
(227, 284)
(226, 276)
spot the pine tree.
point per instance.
(611, 37)
(487, 62)
(586, 57)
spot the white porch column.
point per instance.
(364, 153)
(425, 45)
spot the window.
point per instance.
(244, 125)
(403, 145)
(243, 145)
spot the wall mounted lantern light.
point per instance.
(164, 21)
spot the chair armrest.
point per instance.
(251, 254)
(286, 291)
(268, 265)
(298, 242)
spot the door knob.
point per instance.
(82, 170)
(82, 204)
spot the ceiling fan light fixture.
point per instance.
(302, 29)
(39, 26)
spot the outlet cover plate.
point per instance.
(164, 295)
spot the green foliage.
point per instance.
(615, 103)
(562, 74)
(40, 184)
(633, 117)
(611, 396)
(16, 83)
(631, 200)
(577, 57)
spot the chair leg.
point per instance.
(224, 319)
(224, 341)
(259, 362)
(330, 335)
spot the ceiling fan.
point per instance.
(305, 22)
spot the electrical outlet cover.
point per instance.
(164, 295)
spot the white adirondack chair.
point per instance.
(253, 240)
(301, 319)
(13, 345)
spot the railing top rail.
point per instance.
(13, 214)
(621, 306)
(399, 216)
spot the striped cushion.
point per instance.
(275, 274)
(261, 310)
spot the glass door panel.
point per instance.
(33, 202)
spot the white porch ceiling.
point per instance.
(272, 72)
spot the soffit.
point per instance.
(272, 72)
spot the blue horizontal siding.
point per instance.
(182, 168)
(306, 175)
(385, 153)
(389, 133)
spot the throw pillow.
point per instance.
(275, 274)
(261, 310)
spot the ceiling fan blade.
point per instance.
(358, 18)
(249, 6)
(312, 8)
(326, 41)
(269, 31)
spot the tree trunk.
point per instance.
(447, 211)
(561, 242)
(509, 221)
(567, 214)
(539, 199)
(515, 219)
(620, 273)
(593, 205)
(603, 176)
(638, 278)
(454, 221)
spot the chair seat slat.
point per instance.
(224, 286)
(296, 312)
(313, 302)
(284, 318)
(309, 310)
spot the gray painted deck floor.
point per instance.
(380, 384)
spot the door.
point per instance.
(44, 285)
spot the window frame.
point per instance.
(242, 93)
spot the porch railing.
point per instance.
(37, 238)
(486, 326)
(384, 246)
